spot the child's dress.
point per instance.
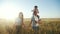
(18, 25)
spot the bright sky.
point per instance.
(9, 9)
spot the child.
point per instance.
(19, 23)
(35, 9)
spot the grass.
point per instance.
(47, 26)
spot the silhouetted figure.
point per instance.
(19, 23)
(35, 20)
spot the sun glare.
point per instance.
(8, 11)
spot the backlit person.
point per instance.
(19, 23)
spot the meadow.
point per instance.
(47, 26)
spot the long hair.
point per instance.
(21, 15)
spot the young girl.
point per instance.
(19, 23)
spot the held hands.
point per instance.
(24, 27)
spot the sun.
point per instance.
(8, 11)
(11, 13)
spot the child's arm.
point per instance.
(23, 25)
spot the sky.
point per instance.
(10, 9)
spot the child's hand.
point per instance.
(24, 26)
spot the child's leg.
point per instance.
(38, 16)
(17, 30)
(20, 30)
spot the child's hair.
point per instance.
(20, 14)
(36, 6)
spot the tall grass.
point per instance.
(50, 27)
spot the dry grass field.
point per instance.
(47, 26)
